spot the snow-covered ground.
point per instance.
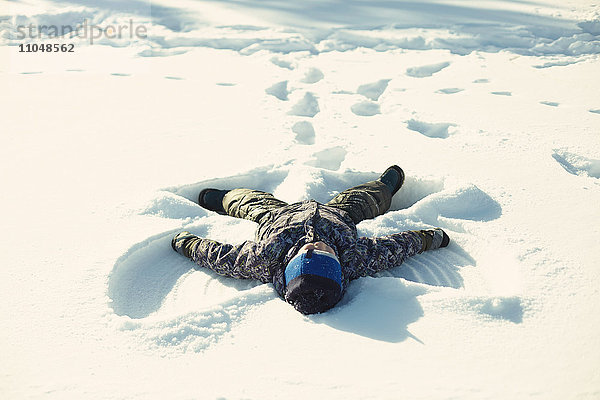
(491, 108)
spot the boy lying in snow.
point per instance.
(310, 251)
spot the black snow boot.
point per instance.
(212, 199)
(393, 177)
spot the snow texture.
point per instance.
(491, 108)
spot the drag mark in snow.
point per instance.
(305, 133)
(502, 93)
(147, 290)
(278, 90)
(433, 269)
(426, 70)
(576, 164)
(432, 130)
(365, 109)
(143, 276)
(373, 91)
(450, 90)
(308, 106)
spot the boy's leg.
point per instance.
(364, 201)
(249, 204)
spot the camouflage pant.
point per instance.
(361, 202)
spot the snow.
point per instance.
(491, 109)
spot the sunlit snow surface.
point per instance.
(491, 108)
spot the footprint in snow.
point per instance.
(31, 72)
(506, 308)
(330, 159)
(120, 74)
(555, 64)
(502, 93)
(174, 78)
(432, 130)
(596, 111)
(305, 133)
(282, 63)
(450, 90)
(365, 109)
(313, 75)
(308, 106)
(550, 103)
(426, 70)
(482, 80)
(161, 52)
(373, 91)
(278, 90)
(576, 164)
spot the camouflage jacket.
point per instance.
(285, 230)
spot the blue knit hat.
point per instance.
(313, 281)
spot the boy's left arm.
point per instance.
(384, 252)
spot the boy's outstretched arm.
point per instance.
(384, 252)
(241, 261)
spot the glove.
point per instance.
(433, 239)
(184, 243)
